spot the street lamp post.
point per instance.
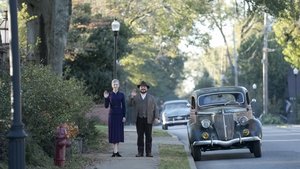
(254, 87)
(295, 71)
(115, 26)
(16, 134)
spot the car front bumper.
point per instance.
(228, 143)
(175, 122)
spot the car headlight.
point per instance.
(205, 123)
(243, 120)
(246, 132)
(205, 135)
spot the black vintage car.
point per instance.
(222, 118)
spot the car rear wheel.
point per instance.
(164, 127)
(196, 153)
(256, 148)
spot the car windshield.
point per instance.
(221, 99)
(176, 105)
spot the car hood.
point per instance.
(177, 112)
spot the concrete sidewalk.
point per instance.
(128, 150)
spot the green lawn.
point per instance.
(102, 128)
(160, 133)
(173, 156)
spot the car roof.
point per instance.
(220, 89)
(175, 101)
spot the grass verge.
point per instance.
(160, 133)
(102, 128)
(173, 156)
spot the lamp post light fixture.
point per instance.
(115, 26)
(295, 71)
(254, 87)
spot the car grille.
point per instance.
(221, 121)
(176, 118)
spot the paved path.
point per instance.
(128, 150)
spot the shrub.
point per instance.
(4, 113)
(47, 101)
(4, 101)
(271, 119)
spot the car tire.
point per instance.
(251, 149)
(164, 127)
(196, 153)
(256, 148)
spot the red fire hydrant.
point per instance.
(61, 142)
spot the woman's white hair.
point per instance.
(115, 81)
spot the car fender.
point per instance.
(194, 132)
(255, 127)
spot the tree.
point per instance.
(251, 72)
(51, 28)
(217, 14)
(157, 27)
(205, 81)
(286, 27)
(287, 31)
(23, 18)
(273, 7)
(90, 49)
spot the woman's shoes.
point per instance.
(116, 155)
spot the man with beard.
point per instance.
(145, 114)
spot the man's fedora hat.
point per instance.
(143, 83)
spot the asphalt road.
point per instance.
(280, 150)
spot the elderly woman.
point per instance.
(115, 100)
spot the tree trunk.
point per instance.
(51, 28)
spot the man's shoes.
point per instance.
(149, 155)
(113, 155)
(139, 155)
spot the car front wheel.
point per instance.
(256, 148)
(196, 153)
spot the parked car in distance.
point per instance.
(175, 112)
(222, 118)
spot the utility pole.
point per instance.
(236, 83)
(265, 64)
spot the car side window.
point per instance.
(239, 97)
